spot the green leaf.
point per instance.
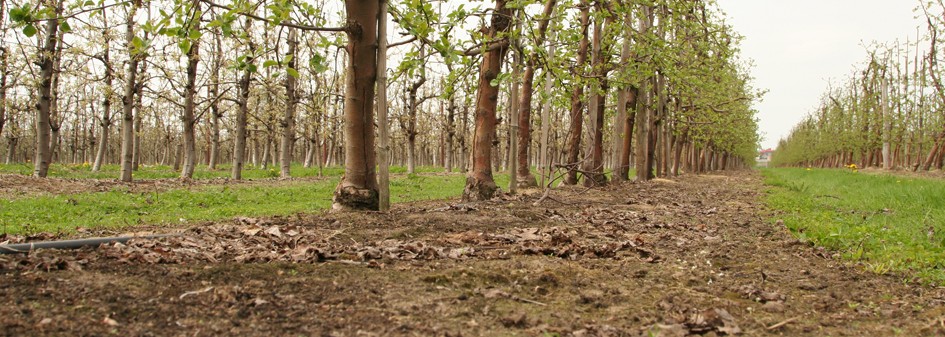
(195, 34)
(292, 72)
(270, 63)
(137, 43)
(64, 26)
(184, 46)
(29, 30)
(252, 68)
(90, 3)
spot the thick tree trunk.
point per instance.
(358, 187)
(479, 182)
(577, 101)
(288, 123)
(45, 57)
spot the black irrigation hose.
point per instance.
(19, 248)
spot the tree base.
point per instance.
(527, 181)
(479, 189)
(350, 198)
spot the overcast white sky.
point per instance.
(799, 45)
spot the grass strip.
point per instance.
(888, 223)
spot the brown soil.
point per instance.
(22, 186)
(691, 256)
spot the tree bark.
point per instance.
(383, 125)
(577, 103)
(524, 177)
(594, 168)
(479, 182)
(288, 123)
(242, 102)
(128, 100)
(358, 188)
(45, 57)
(188, 118)
(215, 113)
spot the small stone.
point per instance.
(773, 307)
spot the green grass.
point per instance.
(889, 223)
(84, 171)
(120, 208)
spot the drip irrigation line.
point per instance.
(22, 248)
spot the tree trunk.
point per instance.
(383, 125)
(139, 113)
(514, 119)
(479, 182)
(188, 118)
(215, 113)
(358, 188)
(410, 125)
(3, 84)
(128, 100)
(594, 168)
(239, 140)
(45, 57)
(577, 103)
(288, 124)
(524, 177)
(546, 116)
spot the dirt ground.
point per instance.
(23, 186)
(694, 256)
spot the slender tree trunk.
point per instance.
(410, 125)
(594, 168)
(128, 100)
(215, 113)
(479, 182)
(358, 188)
(239, 140)
(139, 113)
(288, 124)
(3, 85)
(514, 119)
(621, 132)
(383, 125)
(45, 57)
(524, 177)
(546, 116)
(577, 100)
(188, 118)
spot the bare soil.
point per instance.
(23, 186)
(697, 255)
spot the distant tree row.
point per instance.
(578, 87)
(888, 114)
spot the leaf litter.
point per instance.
(689, 257)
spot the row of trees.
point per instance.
(585, 87)
(888, 114)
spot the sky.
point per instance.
(799, 46)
